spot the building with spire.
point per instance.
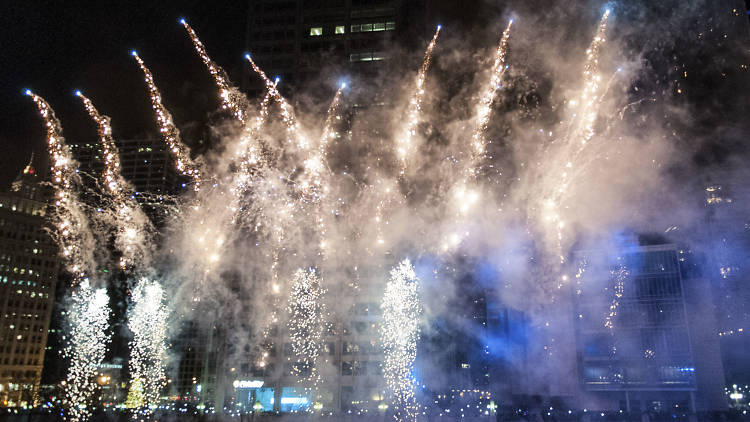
(29, 267)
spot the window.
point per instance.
(378, 26)
(366, 27)
(390, 26)
(340, 29)
(355, 28)
(316, 31)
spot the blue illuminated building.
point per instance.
(645, 334)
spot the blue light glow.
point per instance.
(134, 53)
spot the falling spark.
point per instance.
(582, 132)
(133, 237)
(486, 101)
(620, 274)
(405, 142)
(287, 111)
(186, 165)
(306, 323)
(314, 186)
(147, 321)
(86, 348)
(231, 98)
(399, 333)
(72, 232)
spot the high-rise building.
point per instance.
(146, 163)
(645, 332)
(28, 274)
(296, 40)
(727, 241)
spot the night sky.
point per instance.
(54, 48)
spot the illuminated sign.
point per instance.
(247, 384)
(294, 400)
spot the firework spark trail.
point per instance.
(405, 146)
(314, 189)
(466, 192)
(581, 131)
(134, 232)
(72, 232)
(620, 273)
(386, 197)
(231, 98)
(294, 134)
(86, 348)
(249, 160)
(147, 320)
(186, 165)
(307, 323)
(315, 182)
(478, 138)
(399, 333)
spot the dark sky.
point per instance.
(55, 47)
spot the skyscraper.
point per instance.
(28, 274)
(296, 40)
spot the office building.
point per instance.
(28, 275)
(727, 239)
(644, 330)
(146, 163)
(303, 40)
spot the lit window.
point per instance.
(366, 27)
(355, 28)
(390, 26)
(341, 29)
(378, 26)
(316, 31)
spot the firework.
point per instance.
(580, 133)
(405, 142)
(294, 135)
(487, 99)
(86, 347)
(186, 165)
(619, 274)
(399, 333)
(306, 324)
(148, 350)
(133, 230)
(72, 233)
(231, 98)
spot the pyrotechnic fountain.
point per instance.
(280, 190)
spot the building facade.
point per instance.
(28, 275)
(643, 327)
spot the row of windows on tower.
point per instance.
(317, 31)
